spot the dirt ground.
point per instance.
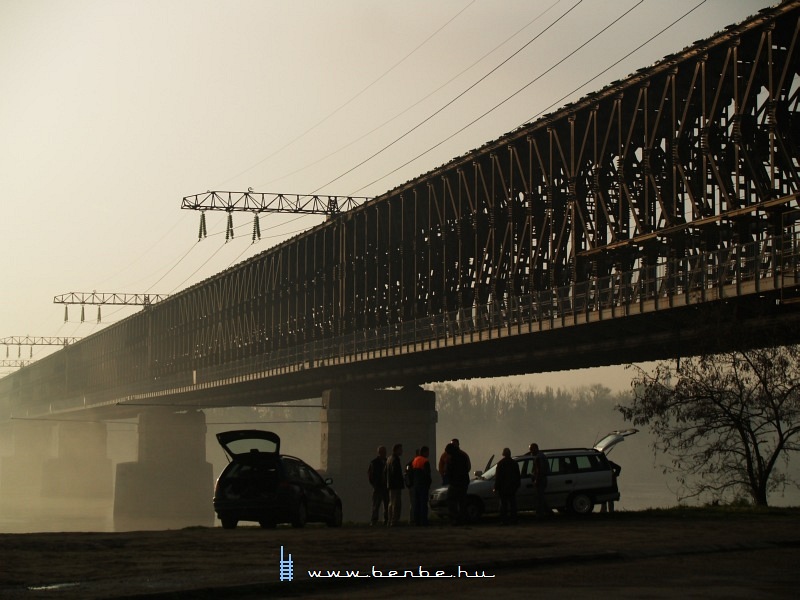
(661, 554)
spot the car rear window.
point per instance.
(252, 445)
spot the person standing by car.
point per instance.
(608, 505)
(380, 494)
(539, 478)
(506, 484)
(421, 469)
(395, 484)
(458, 482)
(442, 467)
(409, 483)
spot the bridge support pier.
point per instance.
(356, 421)
(59, 477)
(82, 468)
(21, 474)
(171, 484)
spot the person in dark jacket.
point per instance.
(409, 482)
(506, 484)
(539, 479)
(395, 484)
(380, 495)
(421, 469)
(458, 478)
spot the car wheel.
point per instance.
(581, 504)
(229, 523)
(473, 509)
(336, 517)
(301, 516)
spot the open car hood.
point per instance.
(249, 441)
(612, 439)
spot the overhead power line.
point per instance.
(453, 100)
(498, 105)
(363, 90)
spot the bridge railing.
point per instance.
(704, 276)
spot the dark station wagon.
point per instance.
(260, 484)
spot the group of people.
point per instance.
(389, 477)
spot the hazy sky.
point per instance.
(111, 111)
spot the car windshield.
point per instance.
(489, 474)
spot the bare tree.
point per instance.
(724, 420)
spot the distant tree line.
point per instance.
(487, 419)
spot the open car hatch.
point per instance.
(249, 441)
(612, 439)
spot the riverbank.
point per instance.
(658, 549)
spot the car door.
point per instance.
(526, 496)
(318, 496)
(560, 480)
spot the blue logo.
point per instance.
(286, 571)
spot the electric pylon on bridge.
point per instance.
(99, 298)
(14, 362)
(27, 340)
(261, 202)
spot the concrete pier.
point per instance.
(82, 468)
(171, 484)
(356, 421)
(21, 472)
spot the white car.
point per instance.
(578, 479)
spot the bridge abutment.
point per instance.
(171, 484)
(355, 421)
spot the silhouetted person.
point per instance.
(442, 466)
(506, 484)
(377, 479)
(539, 479)
(421, 469)
(409, 481)
(458, 481)
(395, 484)
(608, 505)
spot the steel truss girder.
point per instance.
(694, 154)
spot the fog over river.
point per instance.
(484, 418)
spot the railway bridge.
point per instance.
(654, 218)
